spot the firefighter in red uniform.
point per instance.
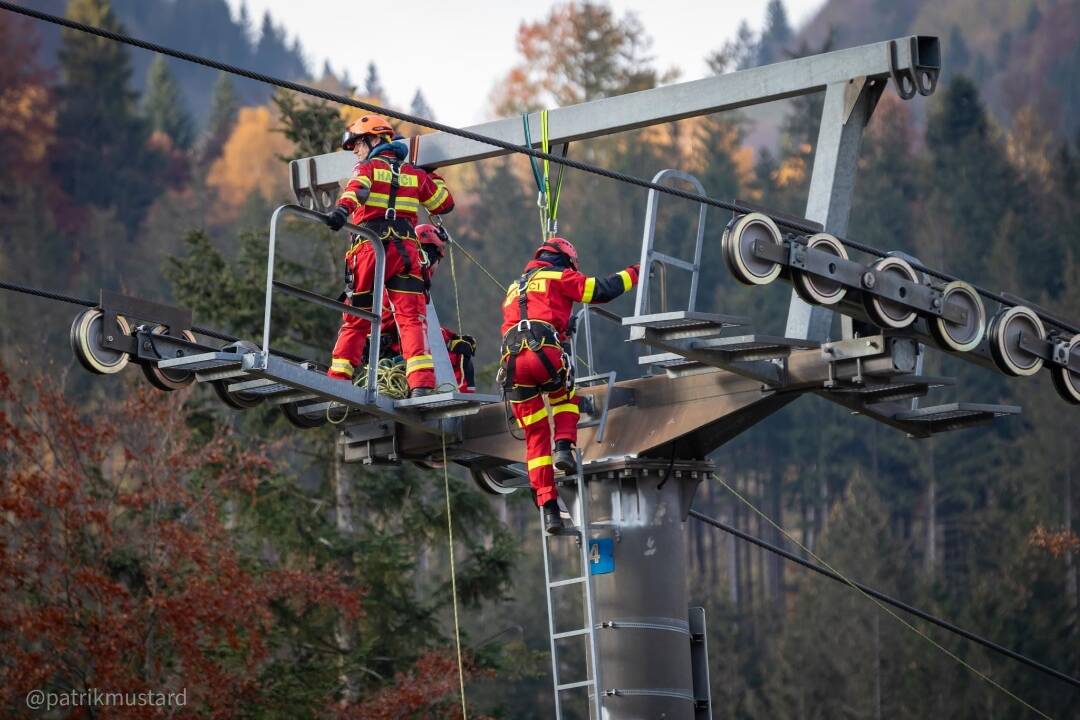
(384, 195)
(534, 360)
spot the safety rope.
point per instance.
(732, 206)
(879, 603)
(453, 579)
(944, 624)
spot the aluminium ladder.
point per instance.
(592, 665)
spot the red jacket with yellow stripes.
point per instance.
(416, 187)
(552, 291)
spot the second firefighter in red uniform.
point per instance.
(384, 195)
(534, 360)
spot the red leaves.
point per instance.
(1056, 542)
(116, 570)
(428, 691)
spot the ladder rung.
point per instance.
(569, 581)
(571, 686)
(571, 633)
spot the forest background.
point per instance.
(154, 541)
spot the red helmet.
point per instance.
(431, 240)
(559, 245)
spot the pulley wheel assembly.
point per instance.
(738, 246)
(163, 378)
(1005, 331)
(236, 400)
(889, 313)
(297, 419)
(963, 336)
(87, 337)
(815, 289)
(1067, 382)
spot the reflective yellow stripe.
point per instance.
(350, 196)
(436, 199)
(590, 288)
(363, 180)
(565, 408)
(342, 365)
(533, 418)
(562, 397)
(627, 281)
(539, 462)
(548, 275)
(402, 203)
(418, 362)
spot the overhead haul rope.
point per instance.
(876, 601)
(486, 140)
(453, 580)
(59, 297)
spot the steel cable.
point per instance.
(732, 206)
(944, 624)
(198, 329)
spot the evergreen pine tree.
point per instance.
(163, 105)
(373, 85)
(105, 160)
(420, 106)
(223, 110)
(776, 36)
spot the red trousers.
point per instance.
(532, 417)
(406, 301)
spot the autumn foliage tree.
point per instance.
(117, 565)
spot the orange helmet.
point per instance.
(365, 125)
(559, 245)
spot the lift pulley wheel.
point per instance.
(236, 400)
(87, 337)
(1067, 382)
(738, 246)
(304, 422)
(1005, 331)
(889, 313)
(960, 336)
(165, 379)
(815, 289)
(488, 481)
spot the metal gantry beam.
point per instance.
(917, 55)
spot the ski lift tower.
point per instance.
(644, 442)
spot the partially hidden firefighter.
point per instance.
(384, 195)
(534, 360)
(461, 349)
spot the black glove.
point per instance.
(336, 219)
(441, 232)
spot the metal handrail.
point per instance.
(582, 320)
(650, 256)
(378, 289)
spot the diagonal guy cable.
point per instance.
(886, 599)
(735, 207)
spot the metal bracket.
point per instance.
(177, 320)
(1054, 351)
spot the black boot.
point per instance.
(553, 523)
(564, 457)
(421, 392)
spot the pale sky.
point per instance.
(457, 51)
